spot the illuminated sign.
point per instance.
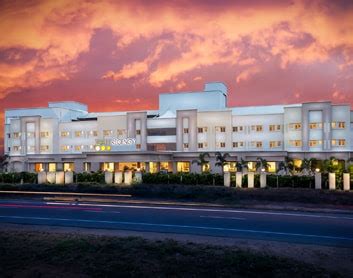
(124, 141)
(116, 144)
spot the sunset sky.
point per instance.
(119, 55)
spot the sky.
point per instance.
(120, 55)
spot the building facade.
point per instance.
(65, 136)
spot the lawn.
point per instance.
(41, 254)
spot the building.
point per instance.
(65, 136)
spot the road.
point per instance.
(329, 229)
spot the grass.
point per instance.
(202, 193)
(29, 254)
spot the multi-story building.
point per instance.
(65, 136)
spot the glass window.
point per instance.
(44, 148)
(183, 167)
(107, 166)
(87, 166)
(205, 167)
(315, 125)
(138, 131)
(107, 132)
(186, 130)
(65, 134)
(295, 126)
(257, 128)
(186, 145)
(38, 167)
(52, 167)
(44, 134)
(295, 143)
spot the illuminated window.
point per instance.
(79, 133)
(275, 144)
(252, 166)
(186, 145)
(295, 143)
(30, 148)
(44, 148)
(44, 134)
(202, 129)
(69, 166)
(30, 134)
(338, 125)
(138, 146)
(200, 145)
(186, 130)
(183, 167)
(138, 131)
(205, 167)
(220, 129)
(314, 143)
(87, 166)
(16, 135)
(315, 125)
(93, 133)
(257, 128)
(107, 166)
(38, 167)
(272, 167)
(107, 132)
(295, 126)
(238, 128)
(65, 148)
(274, 128)
(121, 132)
(339, 142)
(238, 144)
(256, 144)
(220, 144)
(52, 167)
(79, 147)
(65, 134)
(16, 148)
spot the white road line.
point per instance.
(221, 217)
(179, 226)
(209, 210)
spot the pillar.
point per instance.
(332, 181)
(317, 180)
(138, 177)
(118, 177)
(346, 181)
(69, 177)
(251, 176)
(108, 177)
(147, 167)
(238, 179)
(42, 177)
(60, 177)
(51, 177)
(263, 182)
(226, 177)
(128, 177)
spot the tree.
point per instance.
(221, 160)
(242, 164)
(307, 166)
(202, 162)
(261, 163)
(4, 161)
(287, 166)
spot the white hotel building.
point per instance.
(65, 136)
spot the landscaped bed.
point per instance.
(40, 254)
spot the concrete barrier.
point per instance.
(251, 176)
(318, 180)
(226, 179)
(51, 177)
(332, 181)
(238, 179)
(118, 177)
(69, 177)
(128, 178)
(346, 181)
(263, 180)
(108, 177)
(42, 177)
(60, 177)
(138, 177)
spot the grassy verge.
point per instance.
(212, 194)
(29, 254)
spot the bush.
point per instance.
(24, 177)
(183, 178)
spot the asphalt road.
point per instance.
(331, 229)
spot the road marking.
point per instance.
(210, 210)
(49, 207)
(63, 193)
(221, 217)
(105, 211)
(178, 226)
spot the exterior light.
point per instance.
(108, 148)
(68, 170)
(103, 148)
(41, 169)
(138, 169)
(317, 170)
(263, 170)
(98, 148)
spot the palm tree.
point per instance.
(201, 161)
(307, 166)
(241, 165)
(4, 161)
(329, 165)
(221, 160)
(286, 166)
(261, 163)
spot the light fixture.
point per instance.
(317, 170)
(263, 170)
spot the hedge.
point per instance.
(183, 178)
(22, 177)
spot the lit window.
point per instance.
(256, 144)
(220, 144)
(295, 126)
(202, 129)
(30, 148)
(220, 128)
(65, 134)
(16, 148)
(186, 130)
(79, 133)
(183, 167)
(338, 125)
(186, 145)
(107, 132)
(38, 167)
(44, 134)
(138, 132)
(338, 142)
(69, 166)
(30, 134)
(87, 166)
(238, 128)
(315, 125)
(275, 144)
(295, 143)
(121, 132)
(107, 166)
(314, 143)
(200, 145)
(16, 135)
(93, 133)
(257, 128)
(138, 146)
(65, 148)
(79, 147)
(44, 148)
(274, 128)
(52, 167)
(238, 144)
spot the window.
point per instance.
(30, 148)
(79, 147)
(93, 133)
(314, 143)
(202, 129)
(186, 130)
(315, 125)
(16, 135)
(79, 133)
(87, 166)
(65, 148)
(186, 145)
(256, 144)
(275, 144)
(273, 128)
(183, 167)
(339, 142)
(8, 135)
(69, 166)
(138, 131)
(238, 144)
(52, 167)
(120, 132)
(107, 132)
(38, 167)
(65, 134)
(16, 148)
(44, 148)
(138, 146)
(257, 128)
(220, 128)
(220, 144)
(238, 128)
(295, 126)
(30, 134)
(44, 134)
(200, 145)
(338, 125)
(295, 143)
